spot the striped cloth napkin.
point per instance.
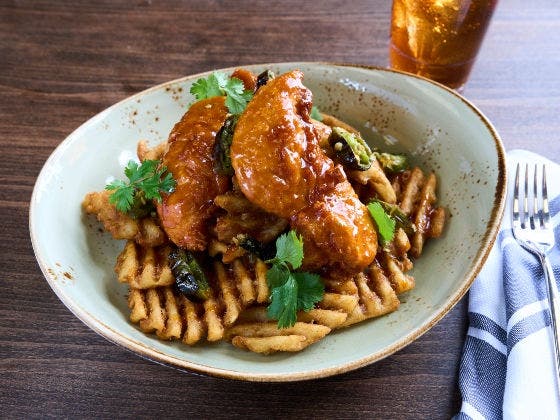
(507, 367)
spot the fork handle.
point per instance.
(554, 302)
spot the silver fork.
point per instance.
(533, 231)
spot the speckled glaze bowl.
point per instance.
(394, 111)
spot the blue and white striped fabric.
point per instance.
(507, 367)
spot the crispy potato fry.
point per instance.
(229, 295)
(421, 218)
(213, 320)
(437, 222)
(144, 268)
(137, 305)
(311, 332)
(330, 318)
(262, 285)
(410, 191)
(195, 328)
(401, 243)
(347, 303)
(173, 323)
(268, 345)
(400, 281)
(244, 283)
(229, 252)
(377, 182)
(327, 317)
(375, 295)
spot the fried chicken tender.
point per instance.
(335, 231)
(281, 168)
(184, 213)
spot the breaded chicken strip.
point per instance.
(186, 211)
(281, 168)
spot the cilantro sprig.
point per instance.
(316, 114)
(385, 224)
(146, 182)
(291, 290)
(220, 84)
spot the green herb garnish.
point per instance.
(146, 182)
(316, 114)
(401, 220)
(219, 84)
(385, 224)
(291, 291)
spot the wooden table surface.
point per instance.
(63, 62)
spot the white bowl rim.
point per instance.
(157, 356)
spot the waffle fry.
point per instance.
(417, 196)
(229, 294)
(326, 317)
(395, 271)
(376, 181)
(144, 268)
(268, 345)
(409, 196)
(266, 338)
(171, 316)
(234, 311)
(156, 310)
(157, 306)
(144, 231)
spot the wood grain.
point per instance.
(63, 62)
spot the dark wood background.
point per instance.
(63, 62)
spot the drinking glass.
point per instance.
(438, 39)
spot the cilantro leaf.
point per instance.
(283, 303)
(145, 182)
(291, 291)
(122, 196)
(237, 102)
(316, 114)
(277, 275)
(310, 290)
(221, 78)
(209, 87)
(385, 224)
(289, 250)
(219, 84)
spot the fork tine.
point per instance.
(535, 217)
(545, 212)
(525, 213)
(515, 212)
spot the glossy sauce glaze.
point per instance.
(185, 212)
(281, 168)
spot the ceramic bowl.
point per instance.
(438, 128)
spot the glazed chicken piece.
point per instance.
(275, 166)
(281, 168)
(337, 231)
(185, 212)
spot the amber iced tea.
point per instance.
(438, 39)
